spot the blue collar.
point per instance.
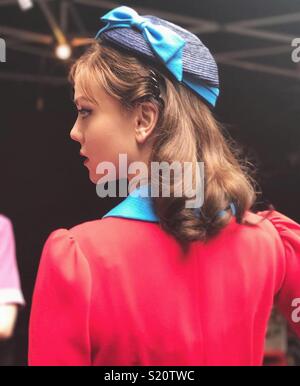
(139, 206)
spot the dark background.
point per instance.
(44, 185)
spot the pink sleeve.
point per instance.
(288, 296)
(10, 290)
(59, 319)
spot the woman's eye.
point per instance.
(84, 112)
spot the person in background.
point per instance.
(11, 295)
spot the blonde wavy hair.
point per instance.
(186, 131)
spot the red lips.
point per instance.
(86, 158)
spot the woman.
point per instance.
(155, 282)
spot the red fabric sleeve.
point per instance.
(59, 320)
(288, 297)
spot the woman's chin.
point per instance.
(93, 178)
(97, 178)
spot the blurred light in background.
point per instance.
(25, 4)
(63, 51)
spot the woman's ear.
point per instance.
(145, 120)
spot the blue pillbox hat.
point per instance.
(161, 41)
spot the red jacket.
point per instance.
(119, 291)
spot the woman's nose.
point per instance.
(75, 134)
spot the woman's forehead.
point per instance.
(95, 94)
(88, 91)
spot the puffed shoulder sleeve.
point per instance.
(59, 319)
(288, 296)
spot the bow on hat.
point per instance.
(166, 43)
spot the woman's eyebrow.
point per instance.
(81, 97)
